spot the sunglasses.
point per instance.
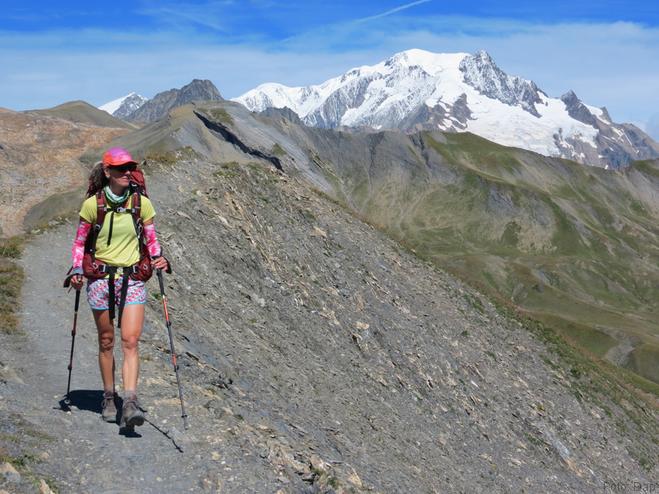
(124, 168)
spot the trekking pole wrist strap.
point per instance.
(74, 270)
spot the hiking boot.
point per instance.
(109, 407)
(131, 413)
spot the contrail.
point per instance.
(392, 11)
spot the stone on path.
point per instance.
(9, 473)
(44, 488)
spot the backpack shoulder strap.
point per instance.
(101, 209)
(136, 213)
(136, 204)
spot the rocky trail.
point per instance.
(83, 453)
(316, 356)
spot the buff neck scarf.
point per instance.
(114, 198)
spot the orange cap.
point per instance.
(117, 157)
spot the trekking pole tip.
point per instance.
(65, 403)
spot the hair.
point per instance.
(97, 178)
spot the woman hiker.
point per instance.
(116, 248)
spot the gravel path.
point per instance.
(92, 454)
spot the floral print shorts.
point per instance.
(98, 295)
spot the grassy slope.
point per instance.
(83, 112)
(572, 246)
(11, 280)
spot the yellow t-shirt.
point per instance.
(124, 246)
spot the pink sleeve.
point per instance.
(152, 243)
(78, 249)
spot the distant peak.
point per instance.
(483, 60)
(76, 102)
(162, 103)
(429, 61)
(570, 98)
(577, 110)
(484, 75)
(411, 54)
(200, 82)
(202, 89)
(401, 58)
(483, 56)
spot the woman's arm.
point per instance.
(152, 243)
(78, 249)
(77, 253)
(154, 248)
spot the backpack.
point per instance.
(94, 269)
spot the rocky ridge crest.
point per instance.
(158, 106)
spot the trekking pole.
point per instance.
(67, 401)
(184, 415)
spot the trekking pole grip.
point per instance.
(160, 282)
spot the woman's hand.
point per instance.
(76, 281)
(159, 263)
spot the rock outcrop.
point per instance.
(158, 106)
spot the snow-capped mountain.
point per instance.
(416, 90)
(124, 106)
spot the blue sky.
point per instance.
(51, 52)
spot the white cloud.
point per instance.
(392, 11)
(38, 77)
(211, 15)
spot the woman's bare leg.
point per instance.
(131, 329)
(105, 330)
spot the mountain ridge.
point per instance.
(125, 105)
(420, 90)
(158, 106)
(81, 112)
